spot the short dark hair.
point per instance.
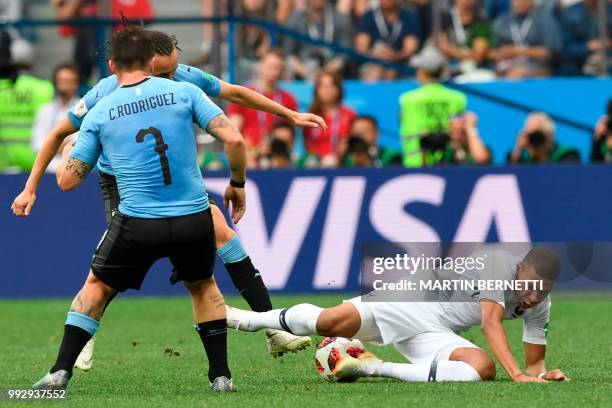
(132, 48)
(279, 148)
(165, 44)
(284, 125)
(369, 118)
(544, 262)
(357, 145)
(68, 66)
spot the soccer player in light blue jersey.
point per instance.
(145, 130)
(243, 273)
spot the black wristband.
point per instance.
(237, 184)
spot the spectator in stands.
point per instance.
(279, 9)
(426, 111)
(466, 35)
(366, 128)
(536, 143)
(254, 124)
(328, 95)
(423, 9)
(354, 8)
(280, 156)
(20, 98)
(85, 44)
(255, 40)
(282, 136)
(66, 82)
(358, 154)
(582, 51)
(601, 151)
(387, 32)
(526, 41)
(465, 145)
(322, 22)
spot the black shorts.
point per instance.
(110, 192)
(131, 245)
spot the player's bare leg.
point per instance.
(81, 324)
(249, 283)
(210, 322)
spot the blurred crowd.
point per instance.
(477, 40)
(482, 39)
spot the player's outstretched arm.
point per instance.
(73, 174)
(536, 365)
(222, 129)
(23, 203)
(492, 315)
(247, 97)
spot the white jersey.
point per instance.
(399, 321)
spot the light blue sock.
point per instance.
(85, 322)
(232, 251)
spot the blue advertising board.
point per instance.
(304, 229)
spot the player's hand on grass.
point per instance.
(237, 197)
(307, 120)
(526, 378)
(556, 375)
(22, 206)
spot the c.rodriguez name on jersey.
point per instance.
(143, 105)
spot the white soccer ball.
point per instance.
(330, 351)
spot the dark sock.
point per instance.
(214, 337)
(250, 285)
(73, 342)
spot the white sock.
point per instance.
(445, 371)
(300, 319)
(265, 320)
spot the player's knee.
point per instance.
(487, 370)
(223, 234)
(96, 289)
(483, 364)
(200, 286)
(478, 360)
(328, 323)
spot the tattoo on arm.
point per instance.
(81, 169)
(220, 121)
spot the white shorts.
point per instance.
(414, 328)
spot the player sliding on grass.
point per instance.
(426, 332)
(245, 277)
(145, 129)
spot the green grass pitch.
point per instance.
(136, 364)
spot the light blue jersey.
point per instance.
(146, 132)
(209, 84)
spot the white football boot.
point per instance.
(85, 359)
(280, 342)
(222, 384)
(56, 381)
